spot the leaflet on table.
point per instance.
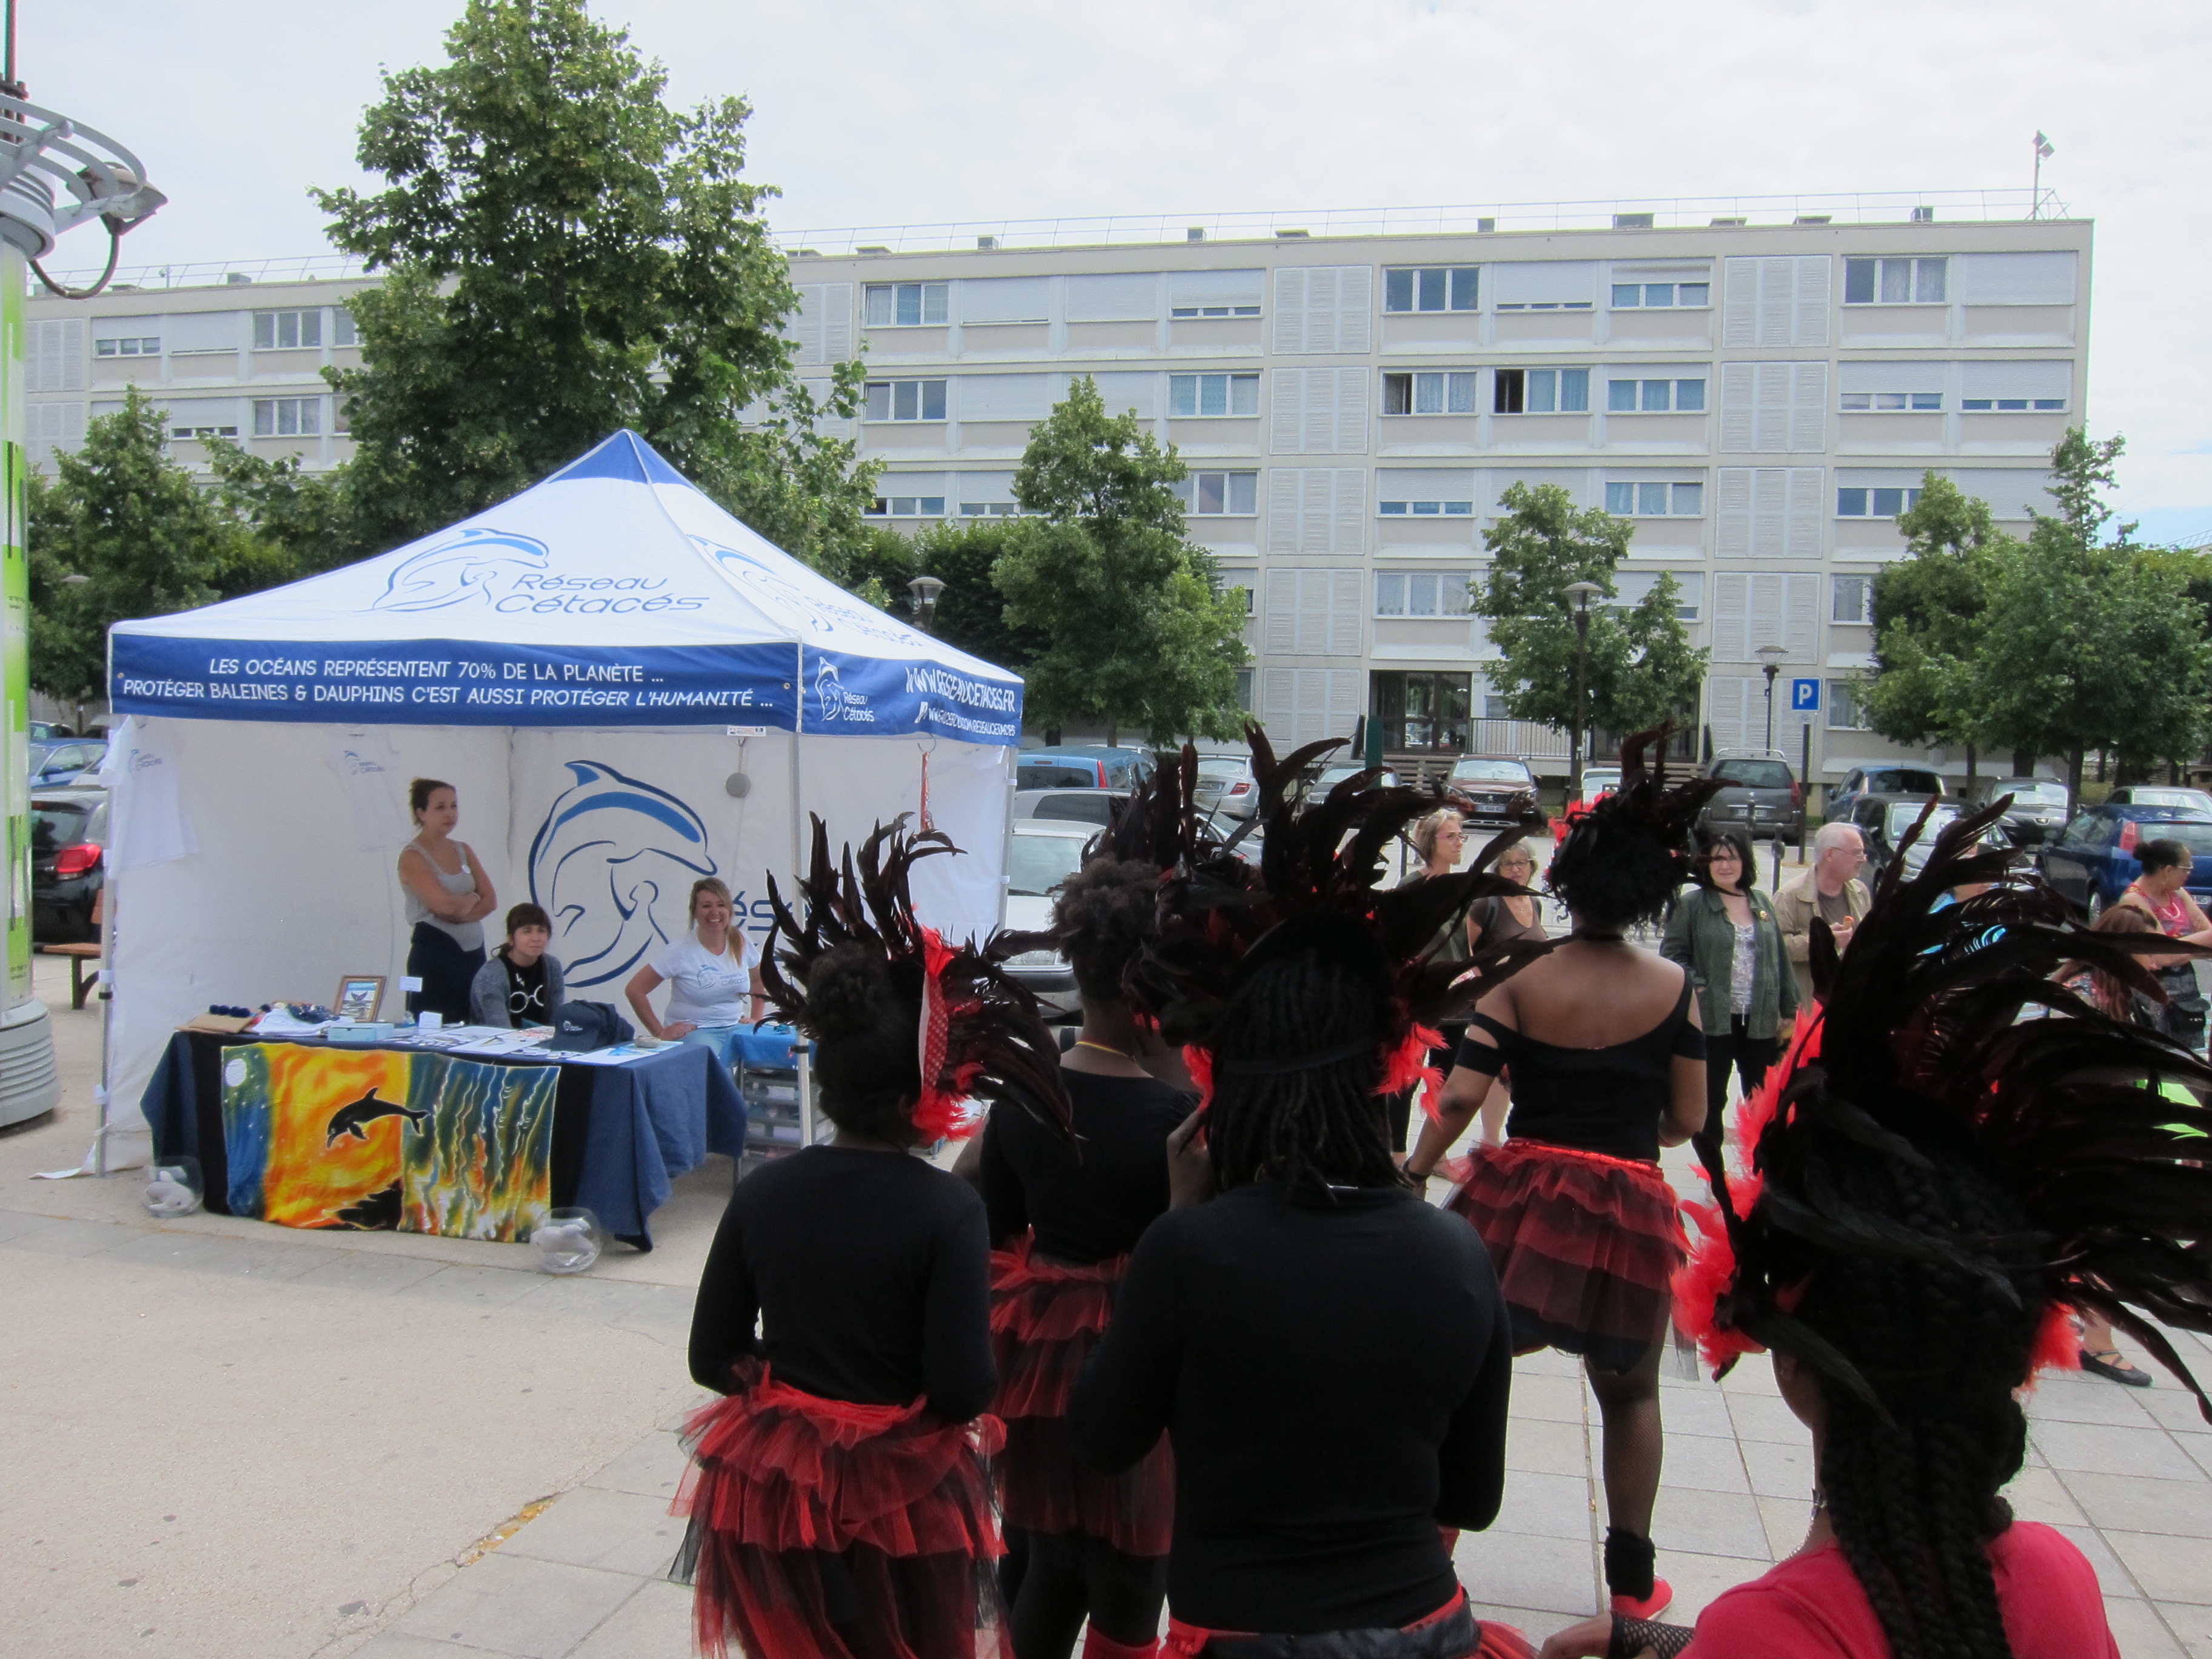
(498, 1039)
(623, 1054)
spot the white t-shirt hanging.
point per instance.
(708, 990)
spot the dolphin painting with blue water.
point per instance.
(613, 866)
(462, 570)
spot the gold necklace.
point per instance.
(1086, 1043)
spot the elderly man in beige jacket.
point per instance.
(1831, 889)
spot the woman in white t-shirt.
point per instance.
(713, 975)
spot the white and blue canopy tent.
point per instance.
(627, 687)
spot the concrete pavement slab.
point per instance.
(480, 1287)
(653, 1624)
(1764, 1417)
(1699, 1579)
(2192, 1624)
(2089, 1399)
(392, 1644)
(1546, 1506)
(652, 1468)
(593, 1527)
(1777, 1468)
(2042, 1495)
(512, 1605)
(1543, 1448)
(2119, 1503)
(2099, 1449)
(2141, 1630)
(374, 1275)
(1519, 1570)
(1701, 1463)
(1709, 1523)
(2169, 1568)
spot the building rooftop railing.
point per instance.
(1623, 213)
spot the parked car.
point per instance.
(2161, 794)
(1337, 771)
(1092, 806)
(69, 833)
(1040, 854)
(1598, 782)
(1484, 787)
(2092, 861)
(1080, 766)
(63, 761)
(1915, 781)
(2038, 810)
(1883, 820)
(1762, 798)
(1226, 785)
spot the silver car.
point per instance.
(1041, 855)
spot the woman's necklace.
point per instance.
(1118, 1053)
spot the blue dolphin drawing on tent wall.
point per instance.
(613, 865)
(453, 573)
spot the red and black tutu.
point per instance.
(1452, 1632)
(1585, 1245)
(827, 1530)
(1046, 1318)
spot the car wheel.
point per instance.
(2096, 903)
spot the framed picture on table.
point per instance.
(358, 997)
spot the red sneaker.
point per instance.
(1648, 1607)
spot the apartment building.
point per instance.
(1759, 399)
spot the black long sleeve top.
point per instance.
(1334, 1378)
(869, 1273)
(1090, 1199)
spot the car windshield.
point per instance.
(2197, 835)
(1037, 864)
(1902, 818)
(1221, 766)
(2034, 792)
(1492, 771)
(56, 824)
(1903, 782)
(1754, 774)
(1056, 774)
(2196, 797)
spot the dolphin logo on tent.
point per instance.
(830, 692)
(613, 865)
(452, 573)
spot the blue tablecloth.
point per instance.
(770, 1048)
(644, 1123)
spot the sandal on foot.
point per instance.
(2107, 1364)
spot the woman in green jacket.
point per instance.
(1723, 931)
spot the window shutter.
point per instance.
(2016, 379)
(1282, 614)
(1319, 411)
(1279, 703)
(1770, 421)
(1115, 297)
(56, 358)
(1323, 308)
(204, 331)
(1740, 301)
(1726, 695)
(1775, 302)
(1801, 620)
(1004, 299)
(2001, 279)
(1316, 509)
(1004, 397)
(1813, 276)
(1344, 607)
(1732, 527)
(821, 327)
(1348, 522)
(1808, 409)
(1738, 398)
(1769, 516)
(1808, 495)
(52, 427)
(1216, 288)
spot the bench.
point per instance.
(80, 983)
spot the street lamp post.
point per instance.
(1579, 594)
(925, 590)
(1771, 656)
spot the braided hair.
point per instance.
(1931, 1181)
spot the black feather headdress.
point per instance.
(977, 1033)
(1931, 1048)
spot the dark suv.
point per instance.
(1762, 799)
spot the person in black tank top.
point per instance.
(1064, 1217)
(1328, 1355)
(1582, 1226)
(839, 1503)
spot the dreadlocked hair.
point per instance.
(908, 1030)
(1930, 1180)
(1104, 912)
(1629, 853)
(1316, 1126)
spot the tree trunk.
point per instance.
(2073, 783)
(1113, 733)
(1971, 773)
(2100, 765)
(2023, 764)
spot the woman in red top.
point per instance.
(1928, 1182)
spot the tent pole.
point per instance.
(105, 987)
(797, 867)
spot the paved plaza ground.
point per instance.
(223, 1439)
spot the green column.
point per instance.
(14, 626)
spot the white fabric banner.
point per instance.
(363, 758)
(148, 822)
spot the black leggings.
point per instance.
(1067, 1574)
(1750, 1057)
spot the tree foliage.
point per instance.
(1929, 619)
(144, 538)
(567, 255)
(1135, 629)
(1641, 666)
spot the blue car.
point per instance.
(2092, 861)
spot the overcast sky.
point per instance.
(877, 114)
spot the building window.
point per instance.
(343, 332)
(1647, 396)
(1421, 593)
(141, 347)
(906, 400)
(287, 330)
(1655, 500)
(1215, 311)
(1871, 503)
(1431, 287)
(1213, 394)
(288, 418)
(905, 305)
(907, 506)
(1894, 282)
(1653, 296)
(1244, 675)
(1421, 712)
(1853, 599)
(1219, 495)
(1426, 509)
(1440, 392)
(203, 432)
(1845, 712)
(990, 510)
(1540, 391)
(2010, 406)
(1920, 402)
(1544, 304)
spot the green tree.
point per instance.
(1137, 628)
(971, 612)
(143, 537)
(1929, 621)
(568, 255)
(1641, 666)
(2090, 644)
